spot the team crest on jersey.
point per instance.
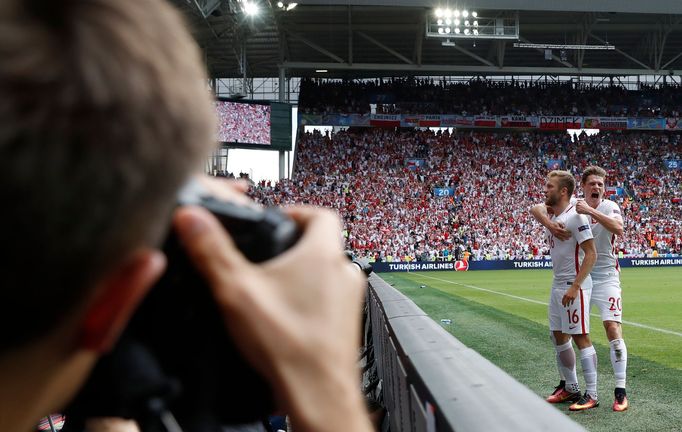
(583, 228)
(593, 221)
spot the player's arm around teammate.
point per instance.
(557, 229)
(613, 223)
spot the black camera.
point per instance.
(176, 355)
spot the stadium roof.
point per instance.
(354, 38)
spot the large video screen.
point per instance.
(243, 123)
(254, 124)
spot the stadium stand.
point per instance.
(437, 96)
(391, 213)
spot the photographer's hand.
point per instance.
(295, 317)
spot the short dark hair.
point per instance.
(592, 170)
(104, 112)
(566, 180)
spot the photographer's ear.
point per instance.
(118, 295)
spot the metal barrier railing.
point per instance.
(433, 382)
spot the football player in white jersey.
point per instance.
(570, 296)
(606, 223)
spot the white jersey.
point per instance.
(566, 255)
(605, 242)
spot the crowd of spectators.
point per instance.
(243, 123)
(229, 175)
(390, 211)
(652, 205)
(429, 96)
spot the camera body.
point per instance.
(176, 354)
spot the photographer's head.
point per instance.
(104, 113)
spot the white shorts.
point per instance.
(574, 319)
(606, 296)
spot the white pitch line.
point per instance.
(634, 324)
(488, 290)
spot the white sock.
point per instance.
(559, 368)
(588, 359)
(558, 362)
(619, 361)
(566, 365)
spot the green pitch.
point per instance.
(503, 316)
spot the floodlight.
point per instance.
(466, 23)
(290, 6)
(280, 5)
(447, 30)
(440, 30)
(250, 9)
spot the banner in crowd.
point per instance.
(414, 163)
(431, 120)
(673, 123)
(409, 121)
(613, 190)
(443, 192)
(449, 120)
(518, 122)
(560, 122)
(334, 119)
(486, 121)
(385, 120)
(605, 123)
(385, 267)
(421, 120)
(355, 119)
(554, 164)
(673, 164)
(646, 123)
(555, 123)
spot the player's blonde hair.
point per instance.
(566, 180)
